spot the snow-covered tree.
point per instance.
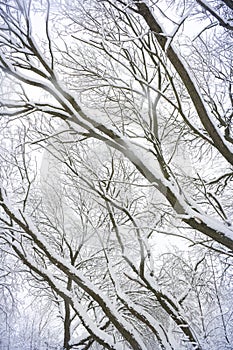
(116, 152)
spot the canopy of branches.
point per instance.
(116, 155)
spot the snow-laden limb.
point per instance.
(186, 208)
(183, 205)
(222, 21)
(142, 315)
(97, 333)
(126, 329)
(167, 302)
(174, 310)
(224, 147)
